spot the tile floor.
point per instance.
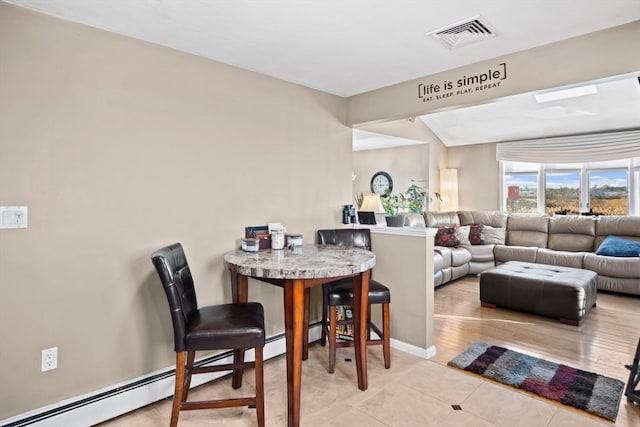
(414, 392)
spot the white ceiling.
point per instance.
(615, 106)
(346, 47)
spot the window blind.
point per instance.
(572, 149)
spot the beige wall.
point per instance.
(400, 266)
(404, 164)
(478, 176)
(119, 147)
(593, 56)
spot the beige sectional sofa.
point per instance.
(570, 241)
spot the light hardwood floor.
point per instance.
(418, 392)
(603, 343)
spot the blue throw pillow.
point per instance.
(617, 246)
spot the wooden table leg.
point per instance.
(305, 327)
(294, 298)
(239, 294)
(360, 307)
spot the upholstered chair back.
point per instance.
(174, 272)
(352, 237)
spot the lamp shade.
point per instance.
(449, 189)
(372, 203)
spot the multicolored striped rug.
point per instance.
(584, 390)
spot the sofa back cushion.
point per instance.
(572, 233)
(414, 219)
(496, 219)
(627, 227)
(440, 219)
(527, 230)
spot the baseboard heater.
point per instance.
(117, 400)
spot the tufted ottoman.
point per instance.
(561, 292)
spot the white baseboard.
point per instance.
(110, 402)
(427, 353)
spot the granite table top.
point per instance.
(301, 262)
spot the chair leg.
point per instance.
(632, 394)
(259, 386)
(178, 391)
(386, 331)
(236, 380)
(191, 355)
(325, 303)
(332, 338)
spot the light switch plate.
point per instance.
(14, 216)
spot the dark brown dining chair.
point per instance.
(214, 327)
(631, 390)
(340, 293)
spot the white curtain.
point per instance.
(572, 149)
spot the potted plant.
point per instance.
(418, 199)
(394, 205)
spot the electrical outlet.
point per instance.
(49, 359)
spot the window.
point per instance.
(608, 192)
(522, 192)
(562, 192)
(600, 188)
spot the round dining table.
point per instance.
(297, 269)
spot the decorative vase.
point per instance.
(395, 221)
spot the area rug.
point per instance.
(590, 392)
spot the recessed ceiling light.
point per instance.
(566, 93)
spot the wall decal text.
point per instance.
(463, 85)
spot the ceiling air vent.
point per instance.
(470, 30)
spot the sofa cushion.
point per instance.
(627, 227)
(619, 247)
(572, 233)
(476, 237)
(414, 219)
(528, 230)
(460, 256)
(515, 253)
(497, 219)
(462, 233)
(480, 253)
(561, 258)
(493, 236)
(621, 267)
(440, 219)
(446, 236)
(445, 254)
(437, 261)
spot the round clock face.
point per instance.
(381, 183)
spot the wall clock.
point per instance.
(381, 183)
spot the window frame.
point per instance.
(633, 180)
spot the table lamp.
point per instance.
(372, 203)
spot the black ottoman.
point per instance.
(561, 292)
